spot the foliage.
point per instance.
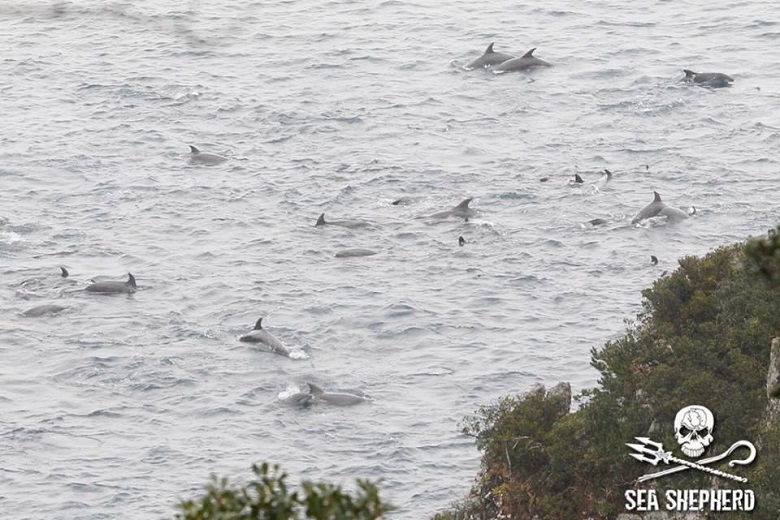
(703, 338)
(268, 498)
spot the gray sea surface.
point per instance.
(120, 406)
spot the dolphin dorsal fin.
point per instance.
(689, 73)
(259, 324)
(320, 221)
(609, 174)
(656, 197)
(464, 204)
(578, 179)
(315, 390)
(529, 54)
(64, 272)
(131, 280)
(489, 49)
(193, 149)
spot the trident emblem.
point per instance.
(653, 453)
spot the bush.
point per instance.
(267, 498)
(703, 338)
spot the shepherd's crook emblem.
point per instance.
(653, 453)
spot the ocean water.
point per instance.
(123, 405)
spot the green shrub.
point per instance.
(703, 338)
(267, 498)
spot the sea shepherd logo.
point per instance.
(693, 427)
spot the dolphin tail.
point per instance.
(656, 197)
(320, 221)
(315, 390)
(489, 49)
(194, 150)
(530, 53)
(64, 272)
(131, 280)
(578, 179)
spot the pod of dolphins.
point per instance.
(499, 63)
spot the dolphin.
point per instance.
(260, 335)
(597, 221)
(351, 253)
(577, 180)
(461, 241)
(462, 210)
(42, 310)
(350, 224)
(489, 59)
(653, 259)
(658, 207)
(209, 159)
(524, 62)
(708, 79)
(334, 398)
(113, 287)
(64, 272)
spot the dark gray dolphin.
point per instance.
(461, 241)
(659, 207)
(524, 62)
(262, 336)
(113, 287)
(42, 310)
(351, 253)
(64, 272)
(209, 159)
(462, 210)
(708, 79)
(653, 259)
(489, 59)
(350, 224)
(597, 221)
(334, 398)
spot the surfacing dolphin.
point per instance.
(350, 224)
(708, 79)
(489, 59)
(524, 62)
(113, 287)
(318, 395)
(209, 159)
(260, 335)
(659, 207)
(42, 310)
(352, 253)
(462, 210)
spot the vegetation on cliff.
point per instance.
(703, 338)
(268, 498)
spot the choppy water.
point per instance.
(123, 405)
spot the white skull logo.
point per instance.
(693, 429)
